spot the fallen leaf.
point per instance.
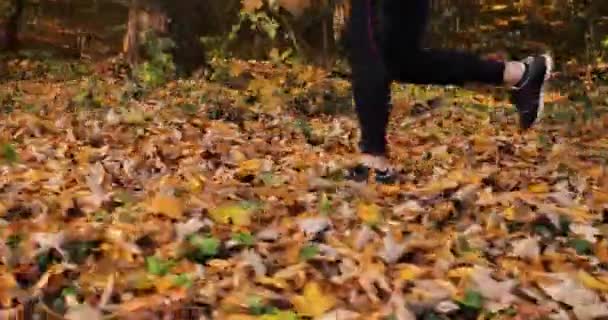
(564, 288)
(46, 241)
(392, 250)
(398, 306)
(409, 272)
(340, 314)
(249, 167)
(369, 213)
(499, 291)
(591, 312)
(588, 232)
(313, 302)
(312, 226)
(232, 213)
(253, 259)
(591, 282)
(539, 188)
(527, 248)
(167, 205)
(187, 228)
(83, 311)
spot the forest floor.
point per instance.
(227, 198)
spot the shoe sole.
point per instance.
(541, 103)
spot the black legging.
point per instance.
(385, 41)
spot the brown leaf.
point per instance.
(166, 205)
(252, 5)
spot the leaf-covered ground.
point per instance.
(227, 198)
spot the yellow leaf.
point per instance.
(236, 68)
(237, 156)
(164, 284)
(509, 214)
(390, 190)
(274, 282)
(474, 257)
(167, 205)
(462, 272)
(231, 213)
(539, 188)
(249, 167)
(410, 272)
(134, 117)
(601, 251)
(369, 213)
(591, 282)
(252, 5)
(483, 143)
(195, 184)
(440, 185)
(313, 302)
(83, 156)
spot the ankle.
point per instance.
(378, 162)
(514, 73)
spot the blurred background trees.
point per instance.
(10, 17)
(190, 32)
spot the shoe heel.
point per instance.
(550, 65)
(548, 72)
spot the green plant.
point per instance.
(158, 267)
(88, 96)
(269, 21)
(259, 21)
(8, 153)
(159, 68)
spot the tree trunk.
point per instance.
(180, 21)
(10, 15)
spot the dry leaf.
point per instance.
(392, 250)
(340, 314)
(249, 167)
(527, 248)
(588, 232)
(497, 291)
(121, 186)
(313, 302)
(569, 291)
(590, 282)
(187, 228)
(409, 272)
(539, 188)
(252, 5)
(369, 213)
(312, 226)
(167, 205)
(83, 311)
(231, 213)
